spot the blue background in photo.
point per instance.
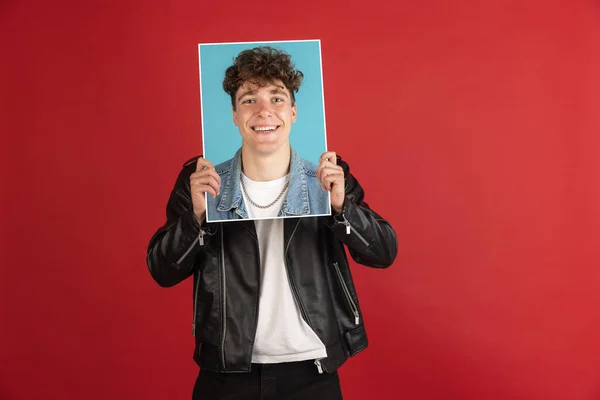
(221, 137)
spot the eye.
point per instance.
(277, 99)
(248, 101)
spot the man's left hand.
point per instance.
(331, 177)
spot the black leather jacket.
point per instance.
(223, 258)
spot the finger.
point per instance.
(205, 173)
(203, 164)
(216, 180)
(328, 169)
(333, 159)
(210, 190)
(328, 162)
(209, 180)
(326, 165)
(333, 170)
(214, 185)
(320, 169)
(330, 178)
(200, 189)
(328, 156)
(330, 181)
(213, 174)
(205, 180)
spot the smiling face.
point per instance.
(264, 116)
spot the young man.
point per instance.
(275, 309)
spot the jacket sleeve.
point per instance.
(370, 239)
(180, 245)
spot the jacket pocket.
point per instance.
(356, 339)
(351, 304)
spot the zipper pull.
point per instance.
(356, 318)
(319, 368)
(345, 222)
(201, 237)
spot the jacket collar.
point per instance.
(296, 200)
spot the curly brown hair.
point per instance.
(262, 66)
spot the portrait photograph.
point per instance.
(224, 134)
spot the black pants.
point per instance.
(286, 381)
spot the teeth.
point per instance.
(264, 128)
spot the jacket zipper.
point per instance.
(200, 241)
(347, 293)
(195, 304)
(348, 229)
(320, 367)
(291, 281)
(223, 301)
(257, 298)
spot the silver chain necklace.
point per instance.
(258, 205)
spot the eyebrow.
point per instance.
(279, 90)
(247, 93)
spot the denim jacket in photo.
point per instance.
(305, 195)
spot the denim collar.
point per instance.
(295, 203)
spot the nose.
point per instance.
(263, 108)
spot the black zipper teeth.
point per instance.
(200, 236)
(188, 251)
(345, 289)
(195, 304)
(362, 239)
(257, 297)
(223, 300)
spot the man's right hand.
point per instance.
(204, 180)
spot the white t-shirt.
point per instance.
(282, 335)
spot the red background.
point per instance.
(474, 127)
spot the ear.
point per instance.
(234, 114)
(294, 112)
